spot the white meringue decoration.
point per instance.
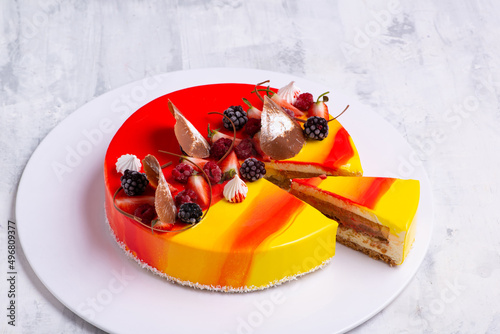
(290, 92)
(128, 161)
(235, 191)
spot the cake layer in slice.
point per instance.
(376, 215)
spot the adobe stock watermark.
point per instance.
(91, 138)
(422, 149)
(33, 25)
(372, 29)
(438, 305)
(105, 296)
(265, 309)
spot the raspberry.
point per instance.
(237, 115)
(316, 128)
(245, 149)
(146, 212)
(253, 126)
(133, 182)
(190, 213)
(220, 147)
(182, 172)
(304, 101)
(213, 172)
(185, 196)
(252, 169)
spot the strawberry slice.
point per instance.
(199, 185)
(252, 112)
(230, 166)
(319, 108)
(256, 145)
(130, 203)
(215, 135)
(159, 225)
(284, 104)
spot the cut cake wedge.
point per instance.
(376, 215)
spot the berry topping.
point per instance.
(230, 166)
(133, 182)
(316, 128)
(160, 225)
(185, 196)
(190, 213)
(146, 213)
(245, 149)
(237, 115)
(182, 172)
(304, 101)
(220, 147)
(319, 108)
(253, 126)
(199, 185)
(213, 172)
(252, 169)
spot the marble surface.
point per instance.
(430, 68)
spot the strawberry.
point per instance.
(230, 166)
(130, 203)
(199, 185)
(319, 108)
(159, 225)
(215, 135)
(285, 105)
(256, 145)
(252, 112)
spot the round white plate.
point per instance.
(60, 217)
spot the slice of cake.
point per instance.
(376, 215)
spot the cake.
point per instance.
(203, 217)
(376, 215)
(269, 238)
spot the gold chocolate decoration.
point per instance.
(191, 141)
(281, 137)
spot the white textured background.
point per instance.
(430, 68)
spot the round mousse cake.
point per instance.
(240, 245)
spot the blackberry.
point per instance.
(237, 115)
(133, 183)
(252, 169)
(190, 213)
(316, 128)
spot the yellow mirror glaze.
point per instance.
(270, 237)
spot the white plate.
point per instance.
(60, 214)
